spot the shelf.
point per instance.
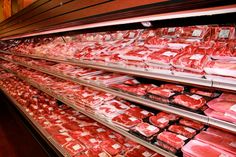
(95, 117)
(60, 151)
(146, 102)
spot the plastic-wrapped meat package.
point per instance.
(162, 92)
(190, 61)
(187, 73)
(220, 115)
(62, 138)
(74, 147)
(162, 56)
(146, 129)
(131, 82)
(196, 148)
(138, 112)
(217, 141)
(146, 33)
(173, 87)
(136, 90)
(182, 130)
(174, 140)
(105, 55)
(131, 34)
(140, 151)
(221, 67)
(192, 124)
(156, 42)
(194, 102)
(224, 106)
(228, 96)
(223, 33)
(112, 147)
(171, 32)
(204, 92)
(126, 121)
(222, 51)
(157, 68)
(162, 119)
(195, 32)
(221, 133)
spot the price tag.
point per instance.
(151, 128)
(182, 137)
(144, 112)
(163, 120)
(196, 97)
(146, 154)
(131, 35)
(76, 147)
(224, 33)
(100, 130)
(93, 140)
(133, 119)
(68, 139)
(142, 52)
(84, 134)
(171, 29)
(112, 136)
(169, 53)
(189, 129)
(196, 57)
(115, 146)
(197, 33)
(233, 108)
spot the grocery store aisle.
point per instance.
(15, 139)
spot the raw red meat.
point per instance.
(228, 96)
(172, 139)
(138, 112)
(217, 141)
(126, 120)
(166, 146)
(223, 33)
(162, 92)
(146, 129)
(225, 106)
(221, 67)
(174, 87)
(196, 148)
(194, 102)
(74, 147)
(162, 119)
(191, 124)
(140, 151)
(111, 147)
(203, 92)
(182, 130)
(220, 115)
(136, 90)
(221, 133)
(159, 99)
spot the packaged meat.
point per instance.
(224, 33)
(225, 106)
(146, 129)
(138, 112)
(194, 102)
(135, 90)
(204, 92)
(217, 141)
(137, 53)
(172, 139)
(192, 124)
(182, 130)
(162, 119)
(195, 32)
(221, 133)
(195, 148)
(166, 146)
(221, 67)
(220, 115)
(159, 99)
(126, 120)
(156, 42)
(174, 87)
(140, 151)
(171, 32)
(132, 82)
(187, 73)
(111, 147)
(228, 96)
(74, 147)
(162, 92)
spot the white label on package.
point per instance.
(85, 94)
(151, 128)
(93, 140)
(146, 154)
(182, 137)
(133, 119)
(224, 33)
(62, 112)
(46, 123)
(233, 144)
(189, 129)
(196, 97)
(197, 33)
(196, 57)
(131, 35)
(115, 146)
(112, 136)
(68, 139)
(84, 133)
(62, 130)
(171, 29)
(100, 130)
(76, 147)
(142, 52)
(169, 53)
(233, 108)
(162, 120)
(102, 154)
(144, 112)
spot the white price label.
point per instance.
(224, 33)
(46, 123)
(100, 130)
(58, 121)
(182, 137)
(146, 154)
(62, 130)
(133, 119)
(196, 97)
(92, 140)
(163, 120)
(189, 129)
(196, 57)
(85, 94)
(68, 139)
(142, 52)
(112, 136)
(76, 147)
(197, 33)
(233, 108)
(85, 133)
(115, 146)
(131, 35)
(144, 112)
(171, 29)
(233, 144)
(62, 112)
(169, 53)
(151, 128)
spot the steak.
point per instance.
(111, 147)
(162, 92)
(174, 87)
(191, 124)
(138, 112)
(126, 120)
(162, 119)
(182, 130)
(146, 129)
(139, 151)
(203, 92)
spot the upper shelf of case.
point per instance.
(47, 16)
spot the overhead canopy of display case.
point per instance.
(53, 16)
